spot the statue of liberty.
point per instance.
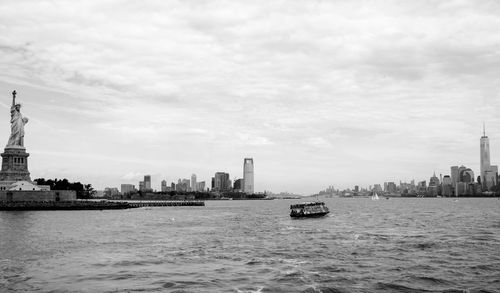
(17, 122)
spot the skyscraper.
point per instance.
(465, 174)
(183, 185)
(434, 181)
(485, 157)
(238, 184)
(147, 182)
(248, 186)
(221, 181)
(194, 186)
(447, 189)
(392, 188)
(490, 177)
(200, 186)
(454, 175)
(433, 189)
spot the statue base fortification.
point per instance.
(14, 165)
(15, 181)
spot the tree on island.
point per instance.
(89, 191)
(82, 191)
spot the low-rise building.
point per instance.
(111, 192)
(127, 188)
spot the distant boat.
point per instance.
(308, 209)
(374, 196)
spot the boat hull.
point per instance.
(315, 215)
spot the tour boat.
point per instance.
(308, 209)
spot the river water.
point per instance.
(396, 245)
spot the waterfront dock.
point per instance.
(90, 205)
(161, 203)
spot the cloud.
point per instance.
(195, 84)
(133, 176)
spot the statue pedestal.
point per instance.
(14, 165)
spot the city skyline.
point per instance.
(116, 93)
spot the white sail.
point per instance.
(374, 196)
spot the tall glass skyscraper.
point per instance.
(194, 184)
(248, 186)
(485, 157)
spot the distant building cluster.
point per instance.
(221, 182)
(328, 191)
(460, 182)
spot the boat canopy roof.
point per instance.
(304, 204)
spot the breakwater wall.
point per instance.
(60, 205)
(161, 203)
(89, 205)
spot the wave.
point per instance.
(432, 280)
(324, 290)
(425, 245)
(332, 269)
(486, 267)
(247, 290)
(387, 287)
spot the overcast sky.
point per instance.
(318, 92)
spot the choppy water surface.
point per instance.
(396, 245)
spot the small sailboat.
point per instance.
(374, 196)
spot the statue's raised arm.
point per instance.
(14, 98)
(17, 123)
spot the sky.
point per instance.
(318, 93)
